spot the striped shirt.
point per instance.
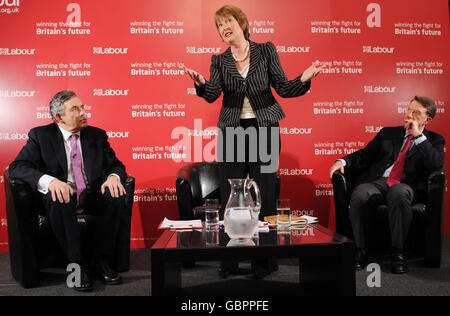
(265, 71)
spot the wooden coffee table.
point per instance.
(326, 259)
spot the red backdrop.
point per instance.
(122, 57)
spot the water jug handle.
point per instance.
(257, 193)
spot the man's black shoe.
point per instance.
(108, 275)
(85, 282)
(398, 263)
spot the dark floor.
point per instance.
(204, 280)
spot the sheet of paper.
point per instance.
(310, 219)
(167, 224)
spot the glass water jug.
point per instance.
(241, 217)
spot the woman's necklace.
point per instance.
(247, 50)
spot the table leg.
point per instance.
(346, 280)
(166, 276)
(329, 275)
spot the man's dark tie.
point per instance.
(397, 171)
(76, 159)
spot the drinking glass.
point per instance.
(212, 219)
(283, 214)
(212, 237)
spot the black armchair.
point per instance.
(194, 184)
(197, 182)
(32, 245)
(426, 232)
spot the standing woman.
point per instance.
(245, 73)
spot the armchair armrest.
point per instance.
(184, 192)
(122, 257)
(185, 171)
(22, 231)
(339, 181)
(435, 217)
(436, 181)
(129, 185)
(194, 183)
(342, 191)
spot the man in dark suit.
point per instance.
(396, 166)
(67, 161)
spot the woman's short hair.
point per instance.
(238, 14)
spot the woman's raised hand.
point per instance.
(197, 77)
(313, 71)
